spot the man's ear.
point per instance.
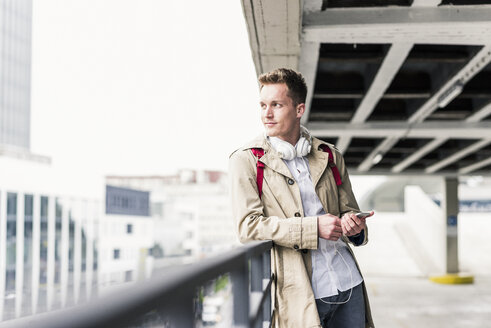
(300, 110)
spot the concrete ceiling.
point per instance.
(399, 86)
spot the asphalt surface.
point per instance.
(409, 302)
(415, 302)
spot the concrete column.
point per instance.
(65, 235)
(451, 211)
(36, 240)
(19, 263)
(50, 284)
(77, 258)
(89, 261)
(450, 208)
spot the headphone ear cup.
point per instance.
(287, 150)
(303, 147)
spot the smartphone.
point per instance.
(362, 214)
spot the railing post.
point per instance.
(181, 311)
(240, 290)
(266, 258)
(257, 285)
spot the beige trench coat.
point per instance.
(279, 217)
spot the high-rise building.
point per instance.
(15, 73)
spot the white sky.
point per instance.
(141, 87)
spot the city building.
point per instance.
(15, 74)
(49, 250)
(60, 247)
(191, 211)
(126, 246)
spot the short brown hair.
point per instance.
(297, 89)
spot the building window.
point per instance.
(158, 209)
(116, 253)
(11, 240)
(129, 228)
(128, 276)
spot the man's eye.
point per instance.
(277, 105)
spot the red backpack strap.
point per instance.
(259, 152)
(335, 172)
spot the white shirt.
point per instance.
(333, 266)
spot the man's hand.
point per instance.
(329, 227)
(352, 225)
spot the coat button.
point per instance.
(305, 251)
(290, 181)
(296, 246)
(298, 214)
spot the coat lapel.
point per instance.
(318, 161)
(274, 162)
(270, 158)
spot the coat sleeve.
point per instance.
(347, 200)
(248, 211)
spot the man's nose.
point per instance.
(269, 111)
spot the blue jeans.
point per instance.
(347, 315)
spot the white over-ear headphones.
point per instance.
(288, 151)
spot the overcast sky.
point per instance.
(140, 87)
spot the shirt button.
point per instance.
(297, 214)
(290, 181)
(296, 246)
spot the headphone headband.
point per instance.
(288, 151)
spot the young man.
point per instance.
(305, 205)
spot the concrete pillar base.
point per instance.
(453, 279)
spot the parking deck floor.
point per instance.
(409, 302)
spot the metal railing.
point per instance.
(172, 293)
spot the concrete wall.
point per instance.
(412, 243)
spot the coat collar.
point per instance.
(271, 158)
(318, 159)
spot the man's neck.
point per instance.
(293, 138)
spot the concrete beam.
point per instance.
(379, 151)
(444, 129)
(309, 57)
(480, 114)
(476, 117)
(418, 154)
(426, 3)
(475, 166)
(475, 65)
(343, 143)
(308, 67)
(252, 31)
(389, 68)
(359, 95)
(274, 33)
(469, 25)
(458, 155)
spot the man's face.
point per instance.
(280, 116)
